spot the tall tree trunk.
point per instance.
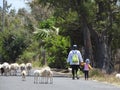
(102, 51)
(87, 43)
(86, 33)
(103, 55)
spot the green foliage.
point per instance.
(46, 29)
(12, 45)
(47, 23)
(36, 64)
(31, 53)
(17, 43)
(26, 57)
(116, 37)
(57, 48)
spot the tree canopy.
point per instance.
(53, 26)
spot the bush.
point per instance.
(57, 48)
(96, 72)
(36, 64)
(12, 44)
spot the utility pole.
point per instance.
(3, 15)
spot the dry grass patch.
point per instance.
(98, 75)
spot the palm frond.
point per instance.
(44, 33)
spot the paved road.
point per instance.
(59, 83)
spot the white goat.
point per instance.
(14, 68)
(117, 75)
(6, 68)
(23, 74)
(28, 67)
(22, 67)
(46, 75)
(50, 77)
(37, 74)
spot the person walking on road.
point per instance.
(74, 59)
(87, 67)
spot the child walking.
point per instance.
(87, 67)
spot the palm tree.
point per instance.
(41, 35)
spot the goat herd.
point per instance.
(43, 75)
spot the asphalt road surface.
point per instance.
(59, 83)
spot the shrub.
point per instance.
(96, 72)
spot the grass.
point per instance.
(108, 79)
(36, 64)
(99, 76)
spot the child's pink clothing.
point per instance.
(86, 67)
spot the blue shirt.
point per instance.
(69, 59)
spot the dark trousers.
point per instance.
(86, 74)
(75, 70)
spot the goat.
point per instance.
(22, 67)
(28, 67)
(14, 67)
(46, 75)
(6, 68)
(23, 73)
(117, 75)
(37, 74)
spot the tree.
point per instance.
(15, 37)
(95, 19)
(39, 12)
(57, 48)
(12, 45)
(47, 30)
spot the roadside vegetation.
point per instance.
(45, 35)
(98, 75)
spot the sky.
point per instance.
(16, 4)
